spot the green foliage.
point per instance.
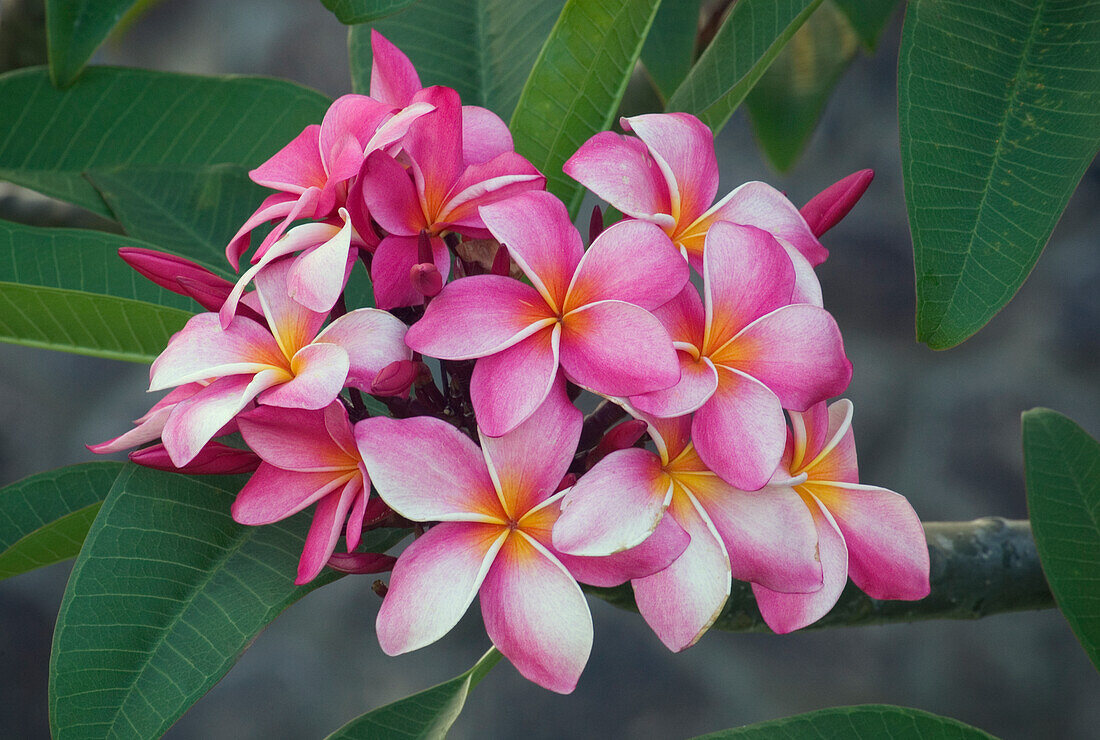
(1062, 469)
(746, 44)
(577, 83)
(165, 596)
(484, 49)
(1000, 115)
(669, 49)
(43, 518)
(130, 117)
(350, 12)
(75, 29)
(428, 714)
(868, 18)
(67, 289)
(787, 102)
(866, 722)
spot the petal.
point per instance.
(484, 135)
(746, 274)
(348, 125)
(426, 470)
(683, 147)
(809, 435)
(274, 207)
(620, 170)
(833, 445)
(536, 615)
(390, 195)
(202, 350)
(372, 339)
(807, 289)
(617, 349)
(295, 439)
(507, 387)
(614, 506)
(670, 436)
(887, 549)
(740, 432)
(393, 78)
(656, 553)
(434, 580)
(683, 317)
(541, 238)
(293, 325)
(318, 276)
(434, 145)
(478, 316)
(682, 601)
(295, 167)
(272, 494)
(393, 260)
(328, 521)
(503, 177)
(796, 351)
(319, 373)
(698, 382)
(528, 462)
(632, 261)
(788, 612)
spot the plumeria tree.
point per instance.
(385, 349)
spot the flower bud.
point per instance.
(825, 209)
(358, 563)
(568, 481)
(426, 279)
(595, 224)
(618, 438)
(214, 459)
(395, 379)
(502, 262)
(179, 276)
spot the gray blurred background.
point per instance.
(941, 428)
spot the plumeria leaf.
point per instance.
(114, 117)
(166, 594)
(484, 49)
(992, 146)
(75, 29)
(43, 518)
(577, 83)
(428, 714)
(67, 289)
(1062, 469)
(350, 12)
(191, 210)
(868, 18)
(669, 51)
(866, 722)
(787, 102)
(749, 40)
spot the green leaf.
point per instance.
(577, 83)
(166, 594)
(43, 518)
(75, 29)
(350, 12)
(484, 49)
(669, 49)
(68, 290)
(128, 117)
(868, 18)
(866, 722)
(1000, 116)
(785, 105)
(749, 40)
(191, 211)
(1062, 469)
(428, 714)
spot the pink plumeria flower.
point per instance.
(869, 533)
(764, 536)
(669, 176)
(438, 192)
(287, 363)
(587, 311)
(496, 509)
(746, 353)
(309, 456)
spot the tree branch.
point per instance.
(987, 566)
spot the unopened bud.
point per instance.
(827, 208)
(568, 481)
(595, 224)
(502, 262)
(424, 247)
(395, 379)
(179, 275)
(359, 563)
(213, 459)
(618, 438)
(426, 279)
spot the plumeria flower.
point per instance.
(438, 192)
(309, 456)
(286, 363)
(588, 312)
(495, 507)
(746, 353)
(869, 533)
(764, 536)
(669, 176)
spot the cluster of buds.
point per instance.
(731, 465)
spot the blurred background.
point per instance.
(941, 428)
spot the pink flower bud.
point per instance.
(568, 481)
(595, 224)
(426, 279)
(825, 209)
(360, 562)
(502, 262)
(214, 459)
(618, 438)
(179, 276)
(395, 379)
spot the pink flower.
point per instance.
(669, 176)
(287, 363)
(746, 353)
(496, 510)
(309, 456)
(869, 533)
(827, 208)
(764, 536)
(587, 311)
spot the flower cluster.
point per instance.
(732, 464)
